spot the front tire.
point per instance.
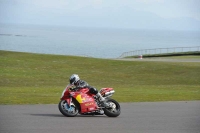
(114, 109)
(66, 110)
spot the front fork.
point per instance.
(69, 104)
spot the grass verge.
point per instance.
(27, 78)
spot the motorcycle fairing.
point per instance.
(86, 101)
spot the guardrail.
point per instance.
(158, 51)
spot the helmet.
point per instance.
(74, 79)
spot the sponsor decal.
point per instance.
(79, 99)
(88, 104)
(91, 108)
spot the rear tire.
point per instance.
(66, 110)
(115, 109)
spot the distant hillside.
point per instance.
(129, 18)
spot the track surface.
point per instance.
(161, 59)
(147, 117)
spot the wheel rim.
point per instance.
(68, 109)
(113, 107)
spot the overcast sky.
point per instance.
(100, 13)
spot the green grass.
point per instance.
(27, 78)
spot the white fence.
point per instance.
(160, 51)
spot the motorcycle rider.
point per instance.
(75, 81)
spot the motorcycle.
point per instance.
(76, 101)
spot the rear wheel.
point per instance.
(114, 109)
(67, 110)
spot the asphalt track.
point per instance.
(145, 117)
(162, 59)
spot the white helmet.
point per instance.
(74, 79)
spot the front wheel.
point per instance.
(66, 109)
(114, 109)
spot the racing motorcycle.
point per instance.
(76, 101)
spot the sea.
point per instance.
(90, 42)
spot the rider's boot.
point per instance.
(102, 100)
